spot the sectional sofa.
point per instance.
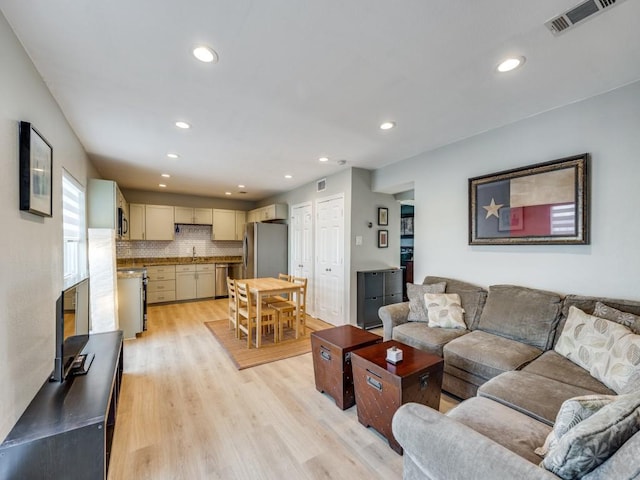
(520, 361)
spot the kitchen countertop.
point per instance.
(147, 262)
(131, 272)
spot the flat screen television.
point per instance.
(73, 325)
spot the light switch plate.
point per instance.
(358, 240)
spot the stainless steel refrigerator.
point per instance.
(264, 249)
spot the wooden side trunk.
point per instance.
(332, 361)
(379, 393)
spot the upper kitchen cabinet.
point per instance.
(151, 222)
(276, 211)
(193, 216)
(241, 221)
(107, 207)
(224, 225)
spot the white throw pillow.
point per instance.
(444, 310)
(607, 350)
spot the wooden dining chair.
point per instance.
(233, 307)
(287, 309)
(248, 316)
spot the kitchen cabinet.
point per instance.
(224, 225)
(151, 222)
(107, 207)
(375, 289)
(161, 286)
(276, 211)
(136, 221)
(195, 281)
(193, 216)
(241, 221)
(228, 224)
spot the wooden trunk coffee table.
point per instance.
(332, 360)
(381, 387)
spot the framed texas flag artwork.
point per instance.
(546, 203)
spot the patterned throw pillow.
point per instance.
(571, 413)
(623, 318)
(607, 350)
(591, 442)
(417, 308)
(444, 310)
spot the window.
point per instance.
(74, 227)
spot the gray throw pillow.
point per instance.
(417, 307)
(591, 442)
(623, 318)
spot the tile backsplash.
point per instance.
(188, 236)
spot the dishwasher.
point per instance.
(224, 270)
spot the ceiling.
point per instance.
(301, 79)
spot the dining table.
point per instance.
(261, 288)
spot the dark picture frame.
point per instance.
(383, 238)
(406, 226)
(36, 164)
(545, 204)
(383, 216)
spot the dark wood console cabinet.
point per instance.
(375, 289)
(67, 429)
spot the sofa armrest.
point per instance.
(437, 447)
(392, 315)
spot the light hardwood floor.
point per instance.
(185, 412)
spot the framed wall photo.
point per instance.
(383, 216)
(546, 203)
(383, 238)
(36, 162)
(406, 226)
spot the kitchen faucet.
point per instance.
(193, 258)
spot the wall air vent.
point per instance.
(578, 14)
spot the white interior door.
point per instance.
(301, 226)
(329, 284)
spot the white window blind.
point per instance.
(74, 227)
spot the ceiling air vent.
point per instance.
(578, 14)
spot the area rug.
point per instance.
(244, 357)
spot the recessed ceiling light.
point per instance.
(240, 186)
(510, 64)
(173, 155)
(183, 125)
(165, 175)
(205, 54)
(288, 176)
(162, 185)
(227, 193)
(387, 125)
(323, 159)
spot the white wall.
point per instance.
(606, 126)
(31, 246)
(361, 206)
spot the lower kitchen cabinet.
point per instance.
(195, 281)
(161, 286)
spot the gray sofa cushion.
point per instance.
(472, 297)
(555, 366)
(487, 355)
(537, 396)
(523, 314)
(423, 337)
(417, 306)
(511, 429)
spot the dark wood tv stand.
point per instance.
(67, 429)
